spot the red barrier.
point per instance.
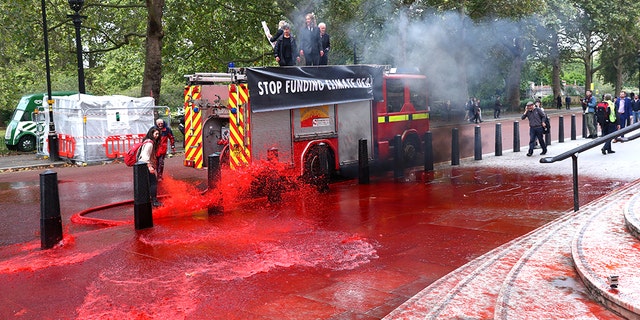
(66, 145)
(116, 146)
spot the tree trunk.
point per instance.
(618, 66)
(588, 70)
(555, 72)
(153, 62)
(515, 75)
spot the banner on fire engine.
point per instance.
(281, 88)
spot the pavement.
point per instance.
(358, 252)
(26, 161)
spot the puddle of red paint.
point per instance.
(191, 258)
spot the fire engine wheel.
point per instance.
(410, 151)
(315, 166)
(27, 143)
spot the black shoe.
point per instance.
(603, 151)
(156, 203)
(611, 151)
(543, 152)
(529, 154)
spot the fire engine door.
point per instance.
(355, 124)
(272, 130)
(215, 131)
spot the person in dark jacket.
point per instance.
(325, 40)
(536, 127)
(166, 136)
(286, 50)
(607, 123)
(635, 108)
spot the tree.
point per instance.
(152, 79)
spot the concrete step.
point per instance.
(543, 284)
(632, 217)
(472, 290)
(532, 277)
(603, 248)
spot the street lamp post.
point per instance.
(52, 138)
(76, 5)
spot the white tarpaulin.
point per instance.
(90, 120)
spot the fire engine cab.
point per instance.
(310, 118)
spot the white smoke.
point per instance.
(446, 46)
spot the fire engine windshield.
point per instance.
(396, 98)
(418, 92)
(395, 95)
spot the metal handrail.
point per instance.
(573, 153)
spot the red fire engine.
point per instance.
(249, 114)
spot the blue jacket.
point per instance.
(627, 108)
(591, 105)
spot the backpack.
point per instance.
(602, 112)
(131, 157)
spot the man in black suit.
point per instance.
(325, 40)
(310, 46)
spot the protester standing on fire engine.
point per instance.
(536, 127)
(310, 45)
(147, 154)
(325, 39)
(286, 50)
(275, 37)
(166, 135)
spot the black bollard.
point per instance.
(547, 138)
(428, 151)
(141, 197)
(561, 129)
(398, 161)
(477, 145)
(498, 143)
(584, 126)
(363, 162)
(573, 127)
(516, 136)
(455, 147)
(50, 219)
(213, 177)
(213, 170)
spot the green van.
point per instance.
(21, 131)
